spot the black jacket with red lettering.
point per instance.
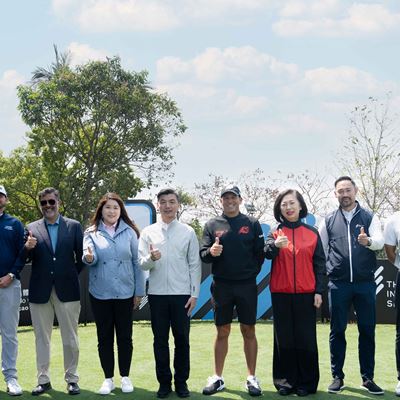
(243, 247)
(299, 267)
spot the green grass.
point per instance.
(202, 337)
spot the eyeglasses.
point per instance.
(50, 202)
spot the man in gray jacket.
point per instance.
(169, 249)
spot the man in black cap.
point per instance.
(234, 244)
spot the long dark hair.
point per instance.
(95, 221)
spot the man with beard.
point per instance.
(351, 235)
(54, 244)
(11, 244)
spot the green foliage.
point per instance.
(198, 228)
(98, 128)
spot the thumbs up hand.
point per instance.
(363, 238)
(281, 240)
(89, 255)
(31, 241)
(155, 254)
(216, 248)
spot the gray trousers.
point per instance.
(42, 320)
(10, 299)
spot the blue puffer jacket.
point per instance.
(347, 260)
(114, 272)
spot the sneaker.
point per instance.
(253, 386)
(126, 385)
(13, 387)
(107, 387)
(214, 384)
(372, 387)
(336, 386)
(397, 390)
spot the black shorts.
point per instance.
(226, 296)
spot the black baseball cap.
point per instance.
(231, 189)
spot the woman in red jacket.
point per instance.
(296, 284)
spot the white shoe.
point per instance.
(126, 385)
(107, 387)
(13, 387)
(397, 390)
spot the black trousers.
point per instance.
(114, 315)
(168, 311)
(295, 361)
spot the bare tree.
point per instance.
(371, 154)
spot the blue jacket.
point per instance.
(347, 260)
(11, 244)
(114, 272)
(58, 268)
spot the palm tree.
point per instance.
(62, 62)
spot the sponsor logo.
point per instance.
(379, 279)
(244, 230)
(8, 228)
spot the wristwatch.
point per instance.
(11, 275)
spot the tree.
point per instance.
(371, 155)
(258, 197)
(98, 128)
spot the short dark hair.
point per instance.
(278, 201)
(344, 178)
(49, 190)
(166, 191)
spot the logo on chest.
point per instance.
(244, 230)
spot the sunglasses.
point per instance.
(50, 202)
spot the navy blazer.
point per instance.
(60, 268)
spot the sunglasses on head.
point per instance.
(50, 202)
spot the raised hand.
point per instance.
(281, 240)
(216, 248)
(89, 255)
(363, 237)
(155, 254)
(31, 241)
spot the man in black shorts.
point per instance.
(234, 244)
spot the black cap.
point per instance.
(231, 189)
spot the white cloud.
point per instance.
(232, 63)
(82, 53)
(330, 18)
(10, 80)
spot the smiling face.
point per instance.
(49, 205)
(346, 192)
(231, 203)
(111, 212)
(290, 207)
(168, 205)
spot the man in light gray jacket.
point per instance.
(169, 249)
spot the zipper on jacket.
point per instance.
(350, 255)
(294, 262)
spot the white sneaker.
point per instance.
(126, 385)
(107, 387)
(13, 387)
(397, 390)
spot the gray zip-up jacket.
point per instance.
(178, 271)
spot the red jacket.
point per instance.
(300, 267)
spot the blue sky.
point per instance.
(261, 83)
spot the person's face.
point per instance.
(290, 207)
(3, 201)
(49, 205)
(111, 212)
(230, 204)
(346, 192)
(168, 206)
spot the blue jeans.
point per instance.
(362, 296)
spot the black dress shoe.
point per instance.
(301, 392)
(164, 390)
(73, 388)
(41, 388)
(181, 390)
(285, 391)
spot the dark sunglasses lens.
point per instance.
(51, 202)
